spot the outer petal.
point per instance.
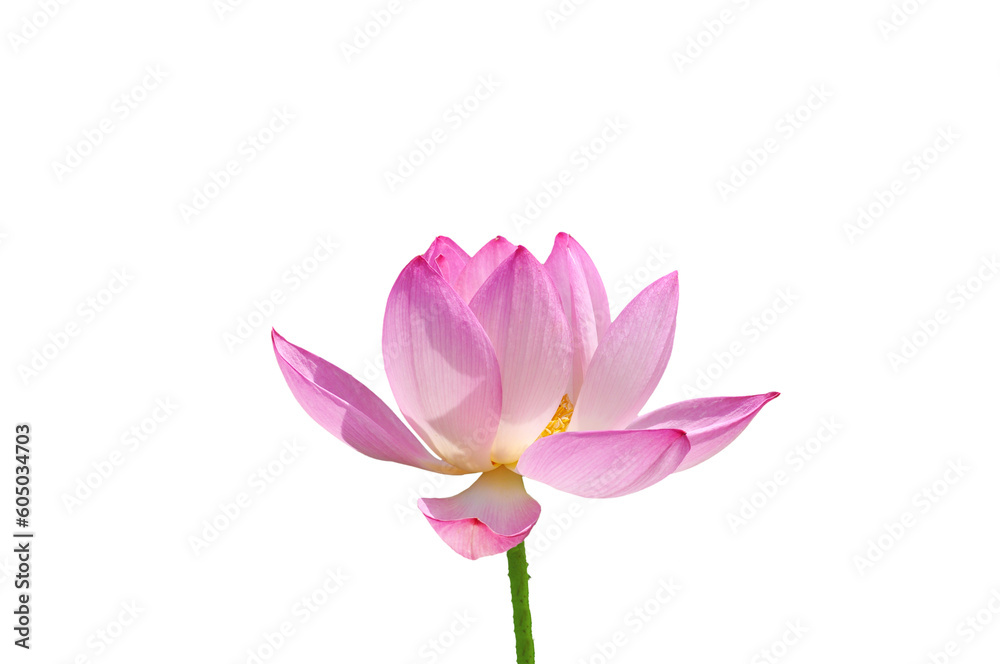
(481, 266)
(491, 516)
(629, 360)
(710, 423)
(446, 257)
(584, 300)
(349, 410)
(441, 367)
(519, 308)
(604, 464)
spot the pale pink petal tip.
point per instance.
(584, 300)
(446, 257)
(481, 266)
(491, 516)
(711, 423)
(629, 360)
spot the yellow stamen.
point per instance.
(561, 419)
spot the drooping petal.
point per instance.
(520, 310)
(441, 367)
(584, 300)
(349, 410)
(604, 464)
(710, 423)
(446, 257)
(629, 360)
(481, 266)
(491, 516)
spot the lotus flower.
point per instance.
(510, 368)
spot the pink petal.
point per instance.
(491, 516)
(630, 359)
(710, 423)
(441, 367)
(349, 410)
(584, 300)
(520, 310)
(446, 257)
(481, 266)
(604, 464)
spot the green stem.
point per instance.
(517, 564)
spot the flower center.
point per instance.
(558, 424)
(560, 420)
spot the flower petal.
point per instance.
(710, 423)
(441, 367)
(630, 359)
(519, 308)
(446, 257)
(349, 410)
(491, 516)
(584, 300)
(481, 266)
(604, 464)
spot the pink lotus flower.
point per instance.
(510, 368)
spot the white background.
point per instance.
(805, 553)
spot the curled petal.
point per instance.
(604, 464)
(441, 367)
(630, 359)
(584, 300)
(710, 423)
(491, 516)
(446, 257)
(481, 266)
(519, 308)
(349, 410)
